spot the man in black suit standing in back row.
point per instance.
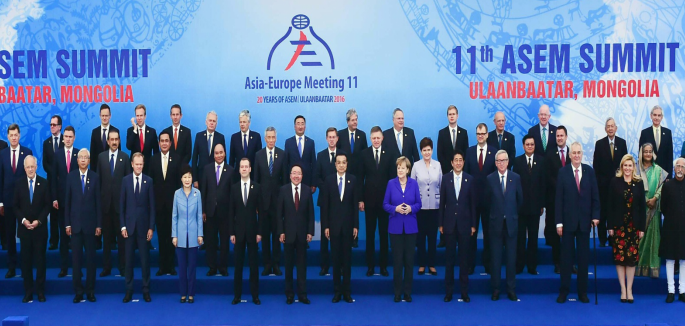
(98, 144)
(400, 139)
(65, 161)
(141, 138)
(205, 144)
(353, 141)
(502, 139)
(557, 157)
(451, 139)
(543, 133)
(244, 143)
(50, 147)
(661, 138)
(181, 144)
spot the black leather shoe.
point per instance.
(681, 297)
(533, 272)
(27, 298)
(421, 272)
(407, 298)
(448, 298)
(495, 296)
(256, 301)
(91, 297)
(584, 299)
(266, 271)
(62, 273)
(190, 300)
(211, 272)
(146, 297)
(348, 298)
(557, 270)
(575, 269)
(397, 298)
(561, 298)
(277, 271)
(512, 296)
(384, 272)
(289, 300)
(105, 272)
(465, 298)
(173, 272)
(41, 297)
(52, 247)
(441, 244)
(223, 272)
(160, 273)
(336, 298)
(369, 272)
(183, 300)
(323, 271)
(10, 274)
(670, 298)
(471, 270)
(78, 298)
(127, 297)
(236, 300)
(304, 300)
(433, 272)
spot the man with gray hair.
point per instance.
(244, 143)
(672, 246)
(606, 160)
(661, 138)
(203, 150)
(399, 139)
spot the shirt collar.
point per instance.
(396, 131)
(338, 175)
(83, 173)
(113, 152)
(29, 179)
(104, 126)
(529, 157)
(68, 148)
(378, 149)
(484, 147)
(331, 151)
(547, 126)
(143, 127)
(218, 164)
(503, 175)
(351, 131)
(561, 149)
(136, 176)
(15, 148)
(611, 140)
(247, 133)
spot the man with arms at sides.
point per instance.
(100, 135)
(451, 139)
(577, 210)
(137, 220)
(245, 230)
(296, 226)
(141, 138)
(50, 147)
(65, 161)
(244, 143)
(325, 166)
(555, 159)
(544, 132)
(531, 168)
(377, 167)
(180, 136)
(502, 139)
(3, 145)
(661, 138)
(83, 217)
(301, 150)
(113, 166)
(205, 145)
(479, 163)
(270, 173)
(353, 141)
(215, 187)
(165, 170)
(31, 206)
(606, 160)
(400, 139)
(340, 220)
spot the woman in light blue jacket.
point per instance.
(186, 232)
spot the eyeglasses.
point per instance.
(54, 125)
(481, 133)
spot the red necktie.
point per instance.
(297, 200)
(140, 135)
(480, 160)
(563, 159)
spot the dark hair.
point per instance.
(113, 131)
(299, 116)
(140, 106)
(457, 152)
(70, 128)
(176, 106)
(482, 125)
(376, 129)
(296, 165)
(105, 106)
(526, 137)
(244, 159)
(13, 126)
(59, 119)
(341, 153)
(331, 129)
(452, 107)
(165, 132)
(425, 142)
(185, 168)
(564, 129)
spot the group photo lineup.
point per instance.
(395, 162)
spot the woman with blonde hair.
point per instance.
(653, 177)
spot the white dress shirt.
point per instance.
(141, 129)
(299, 190)
(270, 153)
(401, 131)
(337, 181)
(329, 155)
(246, 136)
(102, 130)
(67, 157)
(242, 189)
(116, 154)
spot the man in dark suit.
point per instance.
(65, 161)
(205, 145)
(340, 221)
(113, 166)
(407, 141)
(50, 147)
(244, 143)
(301, 150)
(100, 135)
(11, 169)
(353, 141)
(531, 168)
(544, 132)
(245, 230)
(181, 144)
(270, 173)
(377, 167)
(661, 138)
(606, 160)
(215, 187)
(451, 139)
(31, 207)
(457, 223)
(506, 197)
(141, 138)
(3, 145)
(137, 220)
(556, 158)
(296, 226)
(325, 166)
(577, 204)
(480, 162)
(165, 172)
(83, 217)
(502, 139)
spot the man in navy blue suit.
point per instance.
(325, 166)
(661, 138)
(137, 222)
(244, 143)
(480, 162)
(399, 139)
(181, 142)
(11, 169)
(506, 197)
(457, 223)
(502, 139)
(300, 150)
(83, 219)
(141, 138)
(203, 151)
(50, 146)
(543, 133)
(65, 161)
(577, 210)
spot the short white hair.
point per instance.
(245, 113)
(656, 107)
(500, 152)
(83, 150)
(270, 128)
(214, 113)
(609, 119)
(575, 143)
(28, 158)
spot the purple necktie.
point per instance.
(577, 181)
(218, 168)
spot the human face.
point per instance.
(376, 139)
(341, 164)
(211, 122)
(140, 117)
(427, 152)
(610, 128)
(244, 123)
(13, 137)
(576, 155)
(69, 138)
(529, 146)
(83, 161)
(458, 163)
(187, 180)
(176, 116)
(680, 170)
(300, 126)
(502, 161)
(105, 115)
(245, 169)
(561, 138)
(164, 143)
(544, 115)
(398, 120)
(113, 141)
(296, 175)
(656, 116)
(628, 168)
(30, 168)
(352, 123)
(647, 153)
(452, 117)
(481, 135)
(332, 139)
(55, 126)
(137, 165)
(500, 121)
(402, 170)
(270, 138)
(219, 154)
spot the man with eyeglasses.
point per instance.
(544, 132)
(50, 147)
(65, 161)
(480, 162)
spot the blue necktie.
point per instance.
(340, 187)
(271, 163)
(499, 137)
(399, 142)
(31, 191)
(83, 183)
(104, 139)
(245, 144)
(55, 144)
(209, 144)
(137, 190)
(457, 186)
(502, 182)
(299, 146)
(111, 164)
(352, 144)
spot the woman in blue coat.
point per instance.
(186, 232)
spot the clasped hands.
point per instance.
(403, 209)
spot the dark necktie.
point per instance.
(530, 165)
(111, 164)
(377, 160)
(245, 144)
(499, 140)
(209, 144)
(245, 195)
(332, 157)
(563, 159)
(271, 163)
(104, 138)
(480, 160)
(352, 143)
(55, 144)
(137, 190)
(297, 199)
(83, 183)
(14, 161)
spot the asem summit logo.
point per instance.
(303, 46)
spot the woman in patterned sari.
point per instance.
(654, 177)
